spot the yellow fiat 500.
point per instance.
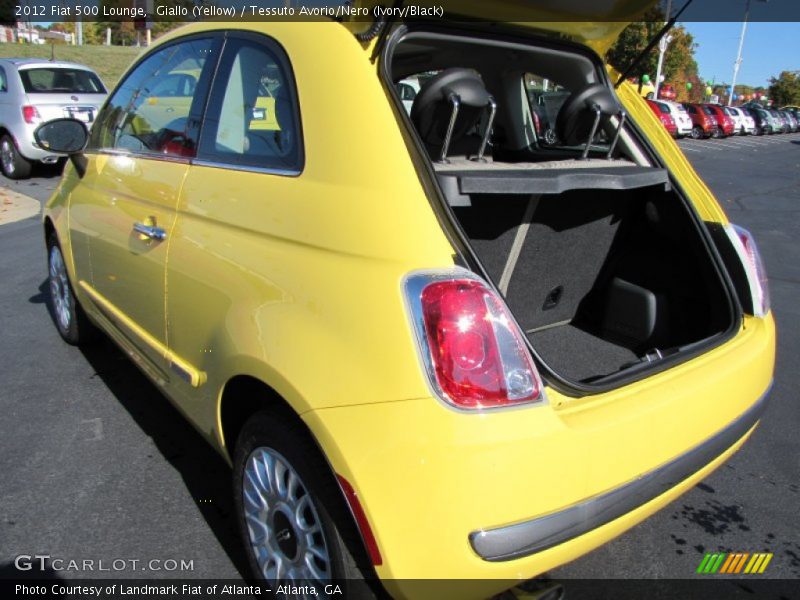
(470, 341)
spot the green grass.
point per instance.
(107, 61)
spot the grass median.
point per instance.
(110, 62)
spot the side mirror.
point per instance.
(65, 136)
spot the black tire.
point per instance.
(716, 133)
(278, 432)
(697, 132)
(14, 165)
(68, 316)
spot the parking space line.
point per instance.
(707, 145)
(743, 142)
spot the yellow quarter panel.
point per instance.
(296, 280)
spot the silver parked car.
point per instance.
(33, 91)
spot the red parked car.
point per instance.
(724, 120)
(662, 112)
(704, 123)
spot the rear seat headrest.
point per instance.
(432, 107)
(575, 119)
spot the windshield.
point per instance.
(57, 80)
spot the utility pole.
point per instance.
(738, 62)
(662, 49)
(79, 31)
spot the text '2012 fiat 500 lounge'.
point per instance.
(430, 344)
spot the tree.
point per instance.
(784, 90)
(123, 33)
(633, 40)
(680, 66)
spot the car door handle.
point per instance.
(150, 231)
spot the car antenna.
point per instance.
(653, 43)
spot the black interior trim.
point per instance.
(556, 181)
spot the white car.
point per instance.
(682, 119)
(33, 91)
(408, 90)
(743, 123)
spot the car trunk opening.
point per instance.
(599, 280)
(602, 262)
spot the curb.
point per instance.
(16, 207)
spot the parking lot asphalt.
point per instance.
(96, 464)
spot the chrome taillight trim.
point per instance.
(413, 285)
(759, 296)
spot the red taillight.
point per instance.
(30, 114)
(747, 250)
(474, 353)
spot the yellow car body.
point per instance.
(297, 288)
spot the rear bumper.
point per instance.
(529, 537)
(507, 495)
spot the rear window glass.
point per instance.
(60, 81)
(708, 111)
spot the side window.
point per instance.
(252, 119)
(150, 112)
(3, 84)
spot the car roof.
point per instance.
(26, 63)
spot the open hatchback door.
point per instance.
(558, 187)
(594, 23)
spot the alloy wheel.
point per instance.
(59, 289)
(7, 156)
(283, 524)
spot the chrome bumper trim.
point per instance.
(529, 537)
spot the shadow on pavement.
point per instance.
(205, 473)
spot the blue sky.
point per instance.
(769, 48)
